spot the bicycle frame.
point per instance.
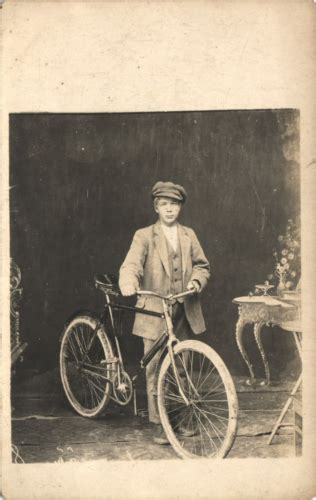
(166, 339)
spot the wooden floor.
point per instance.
(45, 429)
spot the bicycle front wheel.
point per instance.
(205, 425)
(85, 366)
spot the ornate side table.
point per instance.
(261, 310)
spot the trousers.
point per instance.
(182, 331)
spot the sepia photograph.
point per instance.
(158, 250)
(155, 285)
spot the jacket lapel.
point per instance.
(185, 243)
(161, 245)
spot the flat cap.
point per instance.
(169, 190)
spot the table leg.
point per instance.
(257, 333)
(241, 323)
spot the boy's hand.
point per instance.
(194, 285)
(128, 290)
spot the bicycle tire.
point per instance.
(189, 428)
(82, 373)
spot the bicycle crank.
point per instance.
(122, 388)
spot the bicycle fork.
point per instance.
(171, 342)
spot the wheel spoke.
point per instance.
(83, 339)
(214, 388)
(91, 392)
(201, 370)
(98, 391)
(220, 417)
(91, 342)
(206, 377)
(207, 433)
(203, 444)
(175, 398)
(171, 379)
(94, 374)
(76, 338)
(103, 368)
(209, 421)
(180, 417)
(72, 347)
(173, 410)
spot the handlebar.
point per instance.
(166, 297)
(107, 284)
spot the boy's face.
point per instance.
(168, 210)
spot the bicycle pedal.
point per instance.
(142, 413)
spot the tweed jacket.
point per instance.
(146, 267)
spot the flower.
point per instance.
(286, 255)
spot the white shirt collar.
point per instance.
(171, 233)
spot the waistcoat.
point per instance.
(175, 266)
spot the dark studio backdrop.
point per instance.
(80, 187)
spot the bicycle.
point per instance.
(195, 390)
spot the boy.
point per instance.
(166, 258)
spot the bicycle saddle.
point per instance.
(108, 283)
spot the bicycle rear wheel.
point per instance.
(84, 366)
(207, 425)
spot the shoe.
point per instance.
(161, 437)
(185, 432)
